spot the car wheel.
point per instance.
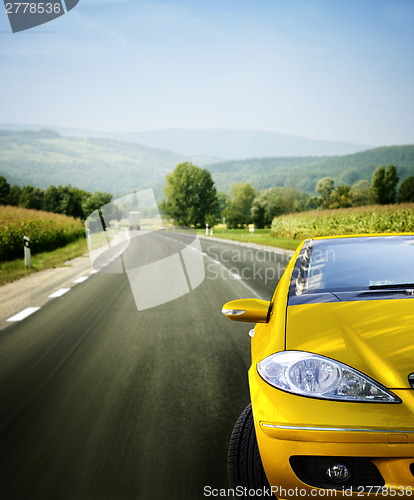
(245, 467)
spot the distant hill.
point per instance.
(209, 144)
(239, 144)
(304, 172)
(44, 158)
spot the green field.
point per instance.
(46, 231)
(356, 220)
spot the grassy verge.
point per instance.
(14, 270)
(260, 237)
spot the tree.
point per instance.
(361, 194)
(222, 201)
(406, 192)
(4, 191)
(324, 188)
(14, 195)
(51, 200)
(94, 202)
(391, 181)
(340, 197)
(238, 210)
(190, 195)
(31, 197)
(267, 205)
(384, 184)
(65, 200)
(78, 197)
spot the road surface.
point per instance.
(102, 401)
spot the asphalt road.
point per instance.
(102, 401)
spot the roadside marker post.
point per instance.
(27, 254)
(206, 229)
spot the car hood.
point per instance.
(373, 336)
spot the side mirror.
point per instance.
(251, 310)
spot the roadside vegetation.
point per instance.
(15, 269)
(357, 220)
(66, 200)
(46, 231)
(259, 237)
(282, 217)
(193, 202)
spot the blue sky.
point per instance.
(337, 70)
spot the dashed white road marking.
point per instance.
(81, 279)
(236, 276)
(23, 314)
(59, 293)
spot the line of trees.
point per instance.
(191, 198)
(65, 200)
(383, 190)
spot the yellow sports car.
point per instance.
(332, 375)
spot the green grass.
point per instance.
(15, 269)
(260, 237)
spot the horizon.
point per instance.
(65, 132)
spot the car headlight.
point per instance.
(315, 376)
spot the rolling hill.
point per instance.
(42, 158)
(304, 172)
(208, 145)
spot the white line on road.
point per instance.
(59, 293)
(23, 314)
(81, 279)
(235, 276)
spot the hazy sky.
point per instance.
(339, 70)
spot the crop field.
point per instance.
(46, 231)
(356, 220)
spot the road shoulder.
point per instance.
(34, 291)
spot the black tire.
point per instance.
(245, 468)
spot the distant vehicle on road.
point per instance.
(332, 375)
(134, 220)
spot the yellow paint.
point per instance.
(250, 310)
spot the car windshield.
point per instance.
(357, 264)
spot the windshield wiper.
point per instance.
(393, 286)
